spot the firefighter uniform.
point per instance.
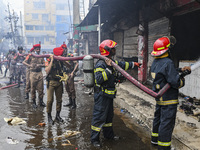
(8, 62)
(12, 67)
(28, 84)
(104, 93)
(20, 70)
(69, 84)
(36, 78)
(55, 85)
(55, 76)
(163, 71)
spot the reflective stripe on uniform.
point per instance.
(116, 62)
(103, 73)
(111, 92)
(154, 134)
(164, 143)
(98, 69)
(167, 102)
(95, 128)
(126, 65)
(107, 125)
(104, 76)
(181, 83)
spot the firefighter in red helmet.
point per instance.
(36, 76)
(163, 71)
(70, 70)
(105, 92)
(54, 71)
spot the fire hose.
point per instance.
(8, 86)
(126, 75)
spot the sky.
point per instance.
(18, 5)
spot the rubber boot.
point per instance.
(69, 104)
(11, 80)
(42, 104)
(50, 120)
(34, 103)
(5, 72)
(26, 96)
(18, 85)
(58, 118)
(73, 104)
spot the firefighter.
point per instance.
(12, 66)
(28, 84)
(36, 76)
(8, 62)
(54, 70)
(20, 68)
(70, 70)
(163, 71)
(105, 92)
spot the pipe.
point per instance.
(5, 87)
(129, 77)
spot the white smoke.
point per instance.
(195, 65)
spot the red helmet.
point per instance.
(37, 45)
(106, 46)
(58, 51)
(160, 46)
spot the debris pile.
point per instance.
(191, 106)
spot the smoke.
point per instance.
(195, 65)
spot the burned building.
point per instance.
(136, 24)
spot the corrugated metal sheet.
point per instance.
(157, 29)
(119, 38)
(130, 43)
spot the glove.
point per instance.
(185, 71)
(188, 68)
(137, 64)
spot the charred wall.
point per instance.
(186, 29)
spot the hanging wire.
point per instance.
(70, 20)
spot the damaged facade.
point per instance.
(136, 24)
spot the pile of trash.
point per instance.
(191, 106)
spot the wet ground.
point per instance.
(32, 136)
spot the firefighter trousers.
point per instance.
(21, 73)
(102, 117)
(57, 87)
(70, 88)
(37, 84)
(163, 125)
(28, 84)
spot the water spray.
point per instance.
(195, 65)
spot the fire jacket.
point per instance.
(163, 71)
(105, 77)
